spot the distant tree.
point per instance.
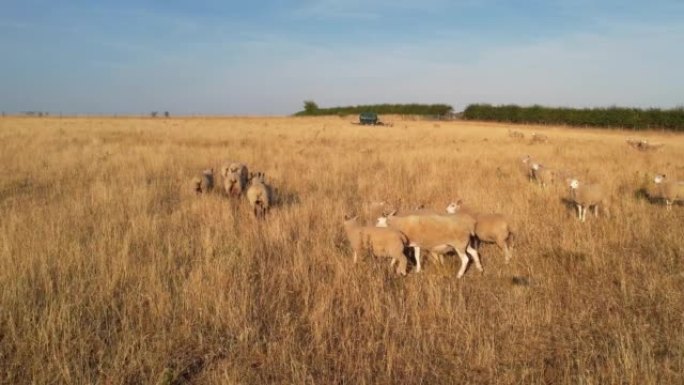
(166, 114)
(153, 114)
(310, 107)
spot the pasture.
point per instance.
(113, 271)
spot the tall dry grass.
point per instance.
(113, 272)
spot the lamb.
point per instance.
(490, 228)
(204, 183)
(235, 176)
(437, 233)
(588, 195)
(669, 191)
(539, 138)
(381, 242)
(259, 194)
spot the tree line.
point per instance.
(620, 117)
(312, 109)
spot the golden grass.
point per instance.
(113, 272)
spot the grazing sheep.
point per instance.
(669, 191)
(490, 228)
(235, 176)
(204, 183)
(381, 242)
(588, 195)
(539, 138)
(515, 134)
(643, 145)
(259, 194)
(437, 233)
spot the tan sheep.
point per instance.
(381, 242)
(585, 196)
(437, 233)
(643, 145)
(543, 175)
(670, 191)
(259, 194)
(205, 182)
(490, 228)
(235, 178)
(526, 166)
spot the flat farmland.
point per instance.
(113, 271)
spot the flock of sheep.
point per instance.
(238, 181)
(458, 229)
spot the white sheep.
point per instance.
(585, 196)
(437, 233)
(381, 242)
(670, 191)
(490, 228)
(235, 178)
(205, 182)
(259, 194)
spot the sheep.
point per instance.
(204, 183)
(542, 174)
(526, 166)
(515, 134)
(259, 194)
(419, 210)
(235, 177)
(588, 195)
(437, 233)
(490, 228)
(669, 191)
(643, 145)
(382, 242)
(539, 138)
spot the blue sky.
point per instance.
(267, 57)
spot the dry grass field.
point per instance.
(112, 271)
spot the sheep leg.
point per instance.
(464, 263)
(504, 246)
(596, 210)
(401, 266)
(579, 212)
(356, 256)
(416, 251)
(669, 204)
(476, 257)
